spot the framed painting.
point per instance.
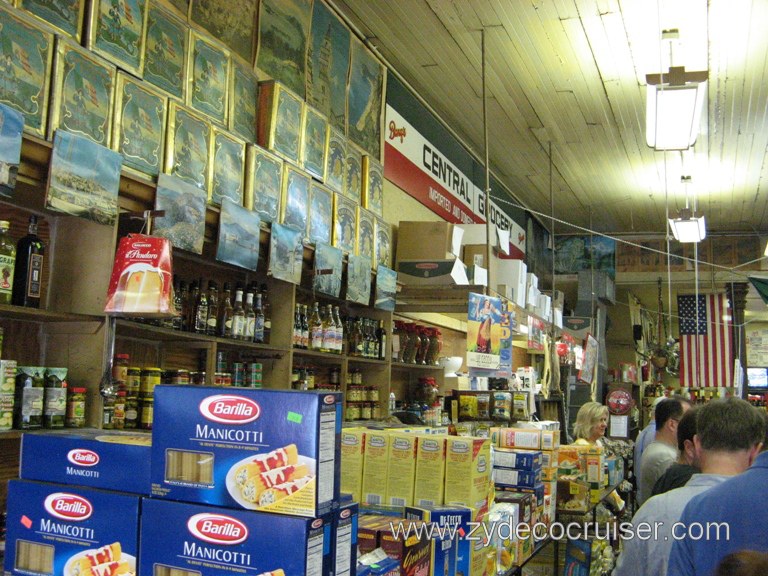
(366, 235)
(181, 6)
(232, 22)
(208, 78)
(279, 121)
(184, 220)
(138, 132)
(239, 233)
(373, 185)
(66, 16)
(328, 59)
(84, 91)
(359, 279)
(228, 168)
(353, 173)
(344, 223)
(243, 95)
(365, 99)
(336, 160)
(314, 142)
(84, 178)
(26, 79)
(295, 201)
(263, 183)
(283, 36)
(320, 214)
(383, 243)
(11, 128)
(327, 270)
(386, 289)
(116, 32)
(165, 51)
(188, 146)
(286, 253)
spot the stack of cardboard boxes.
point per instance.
(246, 480)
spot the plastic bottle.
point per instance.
(392, 403)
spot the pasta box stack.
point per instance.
(245, 480)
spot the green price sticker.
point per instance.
(295, 417)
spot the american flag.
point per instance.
(706, 346)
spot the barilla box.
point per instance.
(7, 391)
(450, 526)
(401, 469)
(526, 438)
(267, 450)
(93, 458)
(57, 529)
(343, 541)
(182, 538)
(515, 478)
(406, 542)
(468, 472)
(519, 459)
(429, 486)
(375, 466)
(352, 453)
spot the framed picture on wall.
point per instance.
(228, 168)
(366, 234)
(188, 146)
(373, 185)
(243, 93)
(365, 99)
(344, 223)
(65, 15)
(232, 22)
(314, 144)
(165, 51)
(295, 202)
(116, 32)
(353, 173)
(383, 243)
(184, 220)
(263, 183)
(320, 214)
(208, 78)
(336, 160)
(279, 123)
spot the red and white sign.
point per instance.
(83, 457)
(68, 506)
(217, 529)
(230, 409)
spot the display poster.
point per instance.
(327, 272)
(286, 252)
(535, 334)
(359, 279)
(587, 372)
(757, 346)
(239, 233)
(184, 207)
(505, 346)
(484, 331)
(11, 127)
(386, 288)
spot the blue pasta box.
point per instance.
(178, 538)
(342, 548)
(93, 458)
(268, 450)
(519, 459)
(450, 527)
(57, 529)
(517, 478)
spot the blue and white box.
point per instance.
(92, 458)
(451, 549)
(518, 459)
(180, 538)
(344, 540)
(57, 529)
(516, 478)
(268, 450)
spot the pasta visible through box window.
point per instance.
(34, 557)
(161, 570)
(189, 467)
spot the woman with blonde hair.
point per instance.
(590, 426)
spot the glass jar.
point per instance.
(55, 398)
(150, 377)
(131, 412)
(353, 410)
(108, 412)
(414, 342)
(375, 410)
(75, 417)
(29, 398)
(120, 370)
(421, 352)
(365, 410)
(146, 412)
(355, 393)
(372, 394)
(435, 346)
(133, 381)
(118, 420)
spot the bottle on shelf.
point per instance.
(329, 331)
(201, 310)
(297, 327)
(238, 317)
(267, 309)
(258, 325)
(339, 327)
(381, 335)
(7, 263)
(213, 309)
(250, 318)
(194, 290)
(304, 327)
(225, 311)
(316, 329)
(28, 270)
(180, 297)
(55, 398)
(29, 401)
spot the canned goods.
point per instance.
(365, 411)
(133, 381)
(150, 377)
(179, 377)
(372, 394)
(197, 378)
(253, 375)
(147, 412)
(353, 411)
(120, 368)
(238, 374)
(222, 379)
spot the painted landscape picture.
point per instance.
(184, 220)
(283, 35)
(239, 233)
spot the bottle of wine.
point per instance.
(267, 308)
(250, 318)
(238, 317)
(201, 310)
(328, 331)
(225, 311)
(194, 290)
(339, 331)
(28, 271)
(7, 263)
(212, 322)
(304, 327)
(297, 327)
(258, 325)
(382, 337)
(316, 329)
(182, 307)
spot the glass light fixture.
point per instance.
(673, 108)
(687, 227)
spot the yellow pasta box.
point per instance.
(429, 486)
(375, 466)
(468, 472)
(401, 468)
(352, 456)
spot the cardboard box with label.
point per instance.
(401, 468)
(468, 472)
(376, 466)
(429, 485)
(447, 552)
(352, 454)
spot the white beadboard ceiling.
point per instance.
(570, 75)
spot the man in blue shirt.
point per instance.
(726, 433)
(731, 516)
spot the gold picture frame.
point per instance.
(365, 243)
(314, 142)
(263, 183)
(208, 71)
(344, 223)
(336, 160)
(84, 93)
(243, 96)
(373, 185)
(228, 171)
(117, 33)
(139, 126)
(383, 243)
(279, 120)
(67, 19)
(188, 146)
(294, 209)
(320, 214)
(353, 173)
(166, 46)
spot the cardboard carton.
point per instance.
(429, 484)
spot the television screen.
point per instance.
(758, 377)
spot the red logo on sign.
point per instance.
(217, 529)
(395, 132)
(83, 457)
(317, 523)
(68, 506)
(329, 399)
(345, 513)
(230, 409)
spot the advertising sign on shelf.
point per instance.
(535, 334)
(484, 332)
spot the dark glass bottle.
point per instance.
(213, 309)
(201, 311)
(258, 324)
(28, 271)
(225, 311)
(29, 401)
(194, 291)
(182, 307)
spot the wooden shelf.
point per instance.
(422, 367)
(316, 354)
(12, 434)
(374, 361)
(445, 299)
(23, 314)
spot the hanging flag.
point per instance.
(706, 345)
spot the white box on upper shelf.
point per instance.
(517, 281)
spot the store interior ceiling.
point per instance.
(565, 85)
